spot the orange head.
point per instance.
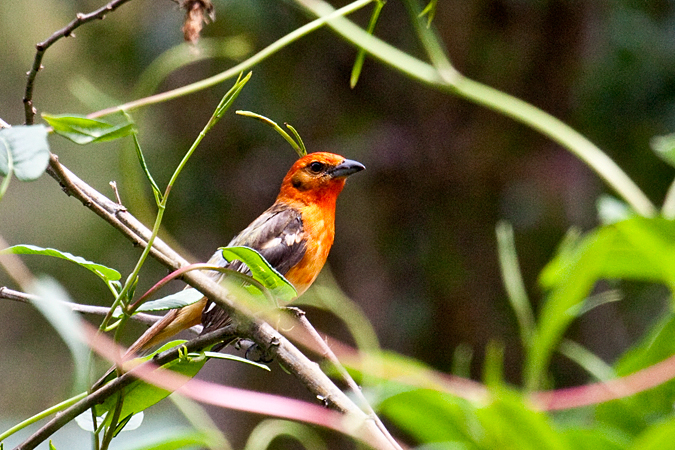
(317, 178)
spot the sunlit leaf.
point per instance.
(262, 271)
(432, 416)
(82, 130)
(28, 148)
(634, 414)
(170, 440)
(657, 437)
(104, 272)
(505, 421)
(638, 248)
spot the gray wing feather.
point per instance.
(278, 235)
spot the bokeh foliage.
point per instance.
(415, 245)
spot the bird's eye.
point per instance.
(316, 167)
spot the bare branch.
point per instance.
(42, 47)
(330, 356)
(18, 296)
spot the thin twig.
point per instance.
(11, 294)
(42, 47)
(327, 353)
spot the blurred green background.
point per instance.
(415, 244)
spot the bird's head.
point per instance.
(318, 177)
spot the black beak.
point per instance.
(346, 168)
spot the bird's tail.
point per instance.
(173, 322)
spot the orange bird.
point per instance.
(294, 235)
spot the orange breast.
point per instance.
(319, 225)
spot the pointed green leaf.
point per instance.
(82, 130)
(28, 149)
(104, 272)
(637, 248)
(177, 300)
(262, 271)
(300, 150)
(361, 54)
(429, 11)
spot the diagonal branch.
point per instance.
(42, 47)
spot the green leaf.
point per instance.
(361, 53)
(82, 130)
(104, 272)
(505, 422)
(634, 414)
(140, 395)
(51, 446)
(432, 416)
(299, 147)
(657, 437)
(26, 147)
(49, 297)
(177, 300)
(262, 436)
(664, 147)
(227, 100)
(141, 159)
(509, 423)
(638, 248)
(598, 437)
(170, 440)
(262, 271)
(429, 11)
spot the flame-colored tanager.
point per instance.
(294, 235)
